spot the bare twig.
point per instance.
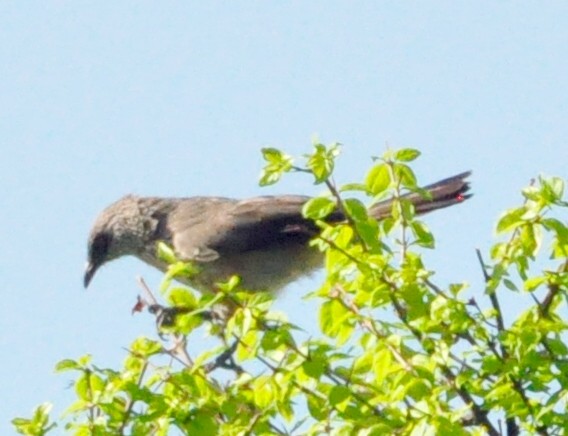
(147, 291)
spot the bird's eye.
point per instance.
(100, 246)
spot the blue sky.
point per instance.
(100, 99)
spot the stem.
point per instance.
(130, 402)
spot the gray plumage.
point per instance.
(264, 240)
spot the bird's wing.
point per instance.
(203, 229)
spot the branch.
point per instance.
(553, 290)
(479, 414)
(348, 217)
(492, 297)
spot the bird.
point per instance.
(263, 240)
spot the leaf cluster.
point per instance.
(397, 353)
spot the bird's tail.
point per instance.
(444, 193)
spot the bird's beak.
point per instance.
(90, 270)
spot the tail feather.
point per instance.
(444, 193)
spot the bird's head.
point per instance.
(121, 229)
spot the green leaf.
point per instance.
(510, 285)
(145, 347)
(405, 208)
(369, 232)
(317, 407)
(263, 392)
(356, 209)
(378, 179)
(335, 320)
(248, 345)
(322, 161)
(511, 220)
(502, 394)
(531, 239)
(383, 365)
(406, 154)
(166, 253)
(278, 163)
(534, 282)
(38, 425)
(557, 346)
(424, 237)
(82, 387)
(314, 367)
(358, 187)
(96, 384)
(338, 394)
(273, 155)
(274, 339)
(318, 208)
(181, 297)
(201, 423)
(66, 365)
(560, 240)
(552, 189)
(557, 226)
(532, 193)
(405, 175)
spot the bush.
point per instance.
(396, 354)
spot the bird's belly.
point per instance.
(260, 270)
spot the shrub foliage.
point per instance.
(397, 353)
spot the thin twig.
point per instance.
(368, 324)
(492, 297)
(341, 206)
(553, 290)
(147, 290)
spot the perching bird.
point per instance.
(264, 240)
